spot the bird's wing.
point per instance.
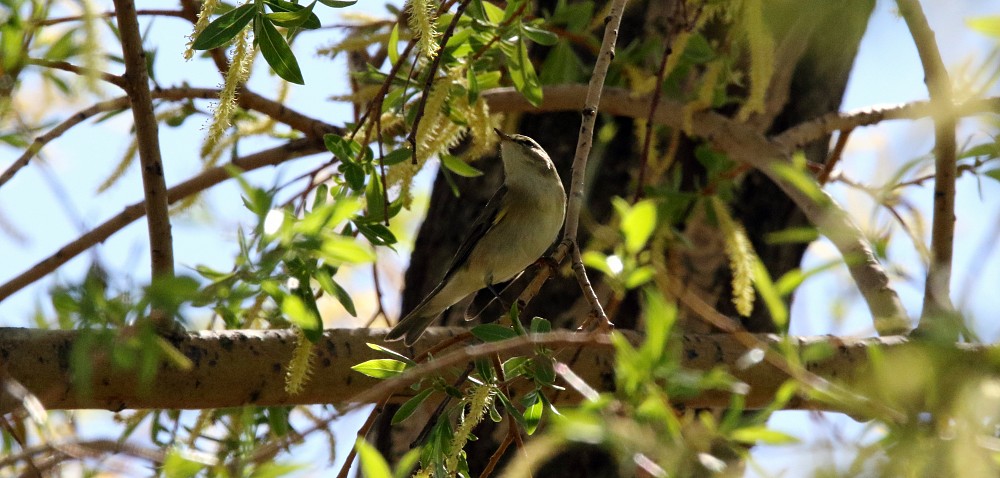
(491, 215)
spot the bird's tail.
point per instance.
(411, 327)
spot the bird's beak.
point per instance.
(502, 135)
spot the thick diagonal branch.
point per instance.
(937, 288)
(147, 137)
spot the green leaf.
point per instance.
(562, 65)
(373, 464)
(638, 225)
(639, 276)
(354, 174)
(377, 233)
(392, 47)
(410, 406)
(459, 167)
(772, 299)
(660, 317)
(533, 412)
(515, 366)
(175, 465)
(344, 149)
(331, 287)
(522, 72)
(540, 325)
(299, 313)
(381, 368)
(225, 28)
(338, 3)
(988, 25)
(762, 434)
(993, 173)
(792, 235)
(539, 36)
(397, 156)
(390, 352)
(341, 249)
(292, 15)
(375, 198)
(493, 332)
(511, 409)
(276, 51)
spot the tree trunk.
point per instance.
(830, 33)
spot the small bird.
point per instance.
(518, 225)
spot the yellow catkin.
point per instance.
(479, 400)
(300, 366)
(705, 95)
(239, 70)
(204, 16)
(356, 41)
(760, 43)
(741, 258)
(423, 23)
(93, 54)
(481, 124)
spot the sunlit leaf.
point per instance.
(373, 464)
(381, 368)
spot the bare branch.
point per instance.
(205, 180)
(154, 185)
(249, 100)
(937, 288)
(591, 104)
(79, 70)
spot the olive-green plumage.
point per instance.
(517, 226)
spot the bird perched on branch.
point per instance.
(518, 225)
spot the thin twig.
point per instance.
(498, 454)
(205, 180)
(116, 80)
(432, 74)
(154, 185)
(586, 138)
(76, 18)
(647, 141)
(249, 100)
(835, 155)
(362, 433)
(937, 288)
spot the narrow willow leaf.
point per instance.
(225, 28)
(533, 413)
(291, 15)
(373, 464)
(390, 352)
(492, 332)
(638, 225)
(338, 3)
(410, 406)
(392, 47)
(762, 434)
(276, 51)
(331, 287)
(539, 36)
(381, 368)
(459, 167)
(299, 313)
